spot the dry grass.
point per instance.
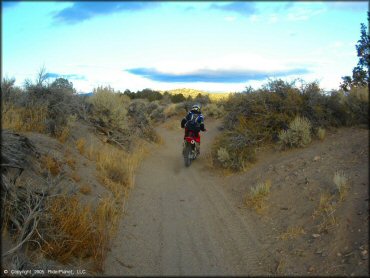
(63, 135)
(80, 144)
(85, 189)
(80, 231)
(341, 181)
(71, 162)
(72, 232)
(292, 233)
(256, 197)
(75, 177)
(24, 119)
(173, 110)
(325, 212)
(115, 167)
(51, 164)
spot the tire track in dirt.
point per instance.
(180, 221)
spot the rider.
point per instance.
(194, 121)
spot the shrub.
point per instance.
(321, 133)
(24, 118)
(340, 179)
(176, 98)
(239, 147)
(173, 109)
(213, 110)
(255, 198)
(298, 134)
(223, 156)
(109, 108)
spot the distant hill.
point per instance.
(86, 94)
(193, 93)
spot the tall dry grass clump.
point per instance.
(24, 118)
(341, 181)
(80, 231)
(256, 197)
(292, 233)
(72, 232)
(51, 164)
(325, 213)
(298, 134)
(80, 145)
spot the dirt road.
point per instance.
(180, 222)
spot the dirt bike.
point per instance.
(189, 150)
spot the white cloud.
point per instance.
(301, 14)
(254, 18)
(230, 18)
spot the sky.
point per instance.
(204, 45)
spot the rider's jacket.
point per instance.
(193, 121)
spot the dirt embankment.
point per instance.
(193, 221)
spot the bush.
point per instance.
(177, 98)
(213, 110)
(233, 150)
(173, 109)
(298, 134)
(321, 133)
(340, 179)
(255, 198)
(223, 156)
(109, 108)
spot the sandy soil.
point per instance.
(192, 221)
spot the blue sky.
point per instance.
(212, 46)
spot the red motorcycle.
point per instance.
(190, 151)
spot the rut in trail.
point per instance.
(179, 220)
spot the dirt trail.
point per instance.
(179, 220)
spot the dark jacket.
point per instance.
(196, 118)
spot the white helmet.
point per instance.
(195, 108)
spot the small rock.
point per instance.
(364, 254)
(311, 269)
(359, 263)
(318, 252)
(316, 158)
(315, 235)
(339, 254)
(359, 230)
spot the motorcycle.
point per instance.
(190, 151)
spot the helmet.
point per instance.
(196, 108)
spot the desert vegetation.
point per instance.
(286, 114)
(45, 195)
